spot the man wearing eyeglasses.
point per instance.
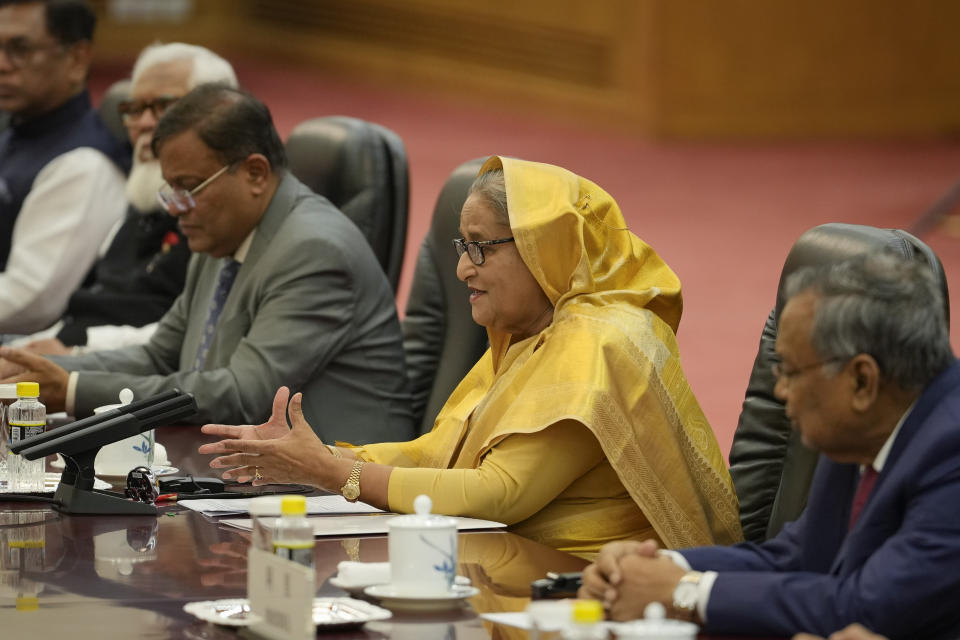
(143, 269)
(869, 380)
(61, 171)
(282, 289)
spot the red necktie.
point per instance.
(867, 480)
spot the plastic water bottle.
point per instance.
(586, 621)
(8, 394)
(26, 417)
(293, 534)
(261, 508)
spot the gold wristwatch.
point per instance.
(351, 490)
(687, 594)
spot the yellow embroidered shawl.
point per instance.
(609, 360)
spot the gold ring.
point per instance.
(256, 474)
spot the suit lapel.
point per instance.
(872, 525)
(231, 326)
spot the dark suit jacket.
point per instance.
(135, 282)
(310, 308)
(897, 572)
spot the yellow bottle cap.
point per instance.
(28, 389)
(293, 506)
(586, 611)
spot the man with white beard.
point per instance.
(142, 269)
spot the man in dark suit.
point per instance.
(282, 290)
(869, 380)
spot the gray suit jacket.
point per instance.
(310, 308)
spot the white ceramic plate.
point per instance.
(392, 598)
(158, 472)
(232, 612)
(356, 588)
(59, 464)
(328, 613)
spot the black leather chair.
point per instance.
(440, 339)
(114, 95)
(361, 167)
(771, 468)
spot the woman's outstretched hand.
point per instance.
(280, 453)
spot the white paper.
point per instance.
(362, 525)
(315, 505)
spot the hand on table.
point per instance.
(601, 580)
(644, 580)
(19, 365)
(853, 632)
(282, 454)
(49, 347)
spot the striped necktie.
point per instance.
(228, 273)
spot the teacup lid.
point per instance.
(422, 519)
(655, 624)
(126, 397)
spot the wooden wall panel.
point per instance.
(667, 68)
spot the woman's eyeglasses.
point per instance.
(474, 248)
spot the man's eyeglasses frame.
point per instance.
(182, 199)
(19, 52)
(132, 109)
(779, 372)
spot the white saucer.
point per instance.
(233, 612)
(159, 468)
(357, 587)
(392, 598)
(159, 471)
(328, 613)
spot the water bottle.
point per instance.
(26, 417)
(8, 394)
(293, 534)
(586, 621)
(261, 508)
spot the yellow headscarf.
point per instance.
(608, 360)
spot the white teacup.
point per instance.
(423, 552)
(118, 458)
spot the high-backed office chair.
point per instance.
(771, 467)
(361, 168)
(440, 339)
(114, 95)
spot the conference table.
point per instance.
(130, 576)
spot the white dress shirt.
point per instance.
(74, 202)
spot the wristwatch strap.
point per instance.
(686, 595)
(351, 489)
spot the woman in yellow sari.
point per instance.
(577, 427)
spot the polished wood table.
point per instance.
(129, 576)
